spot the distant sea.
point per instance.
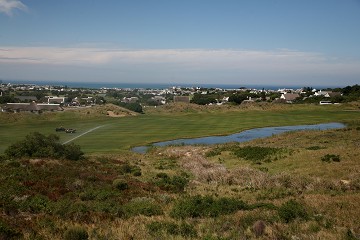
(98, 85)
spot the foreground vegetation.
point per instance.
(299, 185)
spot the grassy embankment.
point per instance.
(118, 134)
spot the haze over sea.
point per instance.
(98, 85)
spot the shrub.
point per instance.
(142, 206)
(291, 210)
(201, 99)
(126, 168)
(187, 230)
(87, 196)
(154, 227)
(67, 209)
(7, 232)
(130, 169)
(214, 152)
(172, 184)
(76, 233)
(166, 164)
(315, 148)
(108, 207)
(72, 152)
(350, 235)
(256, 154)
(135, 107)
(48, 224)
(36, 204)
(330, 157)
(137, 173)
(37, 145)
(207, 206)
(120, 184)
(184, 229)
(3, 158)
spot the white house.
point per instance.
(55, 99)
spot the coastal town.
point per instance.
(38, 98)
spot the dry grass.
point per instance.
(192, 159)
(180, 108)
(102, 110)
(342, 209)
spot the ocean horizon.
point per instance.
(97, 85)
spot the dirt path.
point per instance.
(93, 129)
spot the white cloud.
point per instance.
(182, 63)
(8, 6)
(202, 58)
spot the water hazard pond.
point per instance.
(243, 136)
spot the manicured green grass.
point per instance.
(119, 134)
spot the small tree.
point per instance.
(291, 210)
(72, 152)
(237, 98)
(37, 145)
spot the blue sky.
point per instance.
(259, 42)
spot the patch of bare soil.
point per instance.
(112, 114)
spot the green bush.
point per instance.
(166, 164)
(172, 184)
(76, 233)
(183, 229)
(154, 227)
(187, 230)
(350, 235)
(238, 98)
(207, 206)
(214, 152)
(127, 168)
(108, 207)
(201, 99)
(36, 204)
(256, 154)
(137, 173)
(7, 232)
(330, 157)
(315, 148)
(72, 152)
(251, 153)
(120, 184)
(37, 145)
(142, 206)
(291, 210)
(135, 107)
(68, 209)
(99, 194)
